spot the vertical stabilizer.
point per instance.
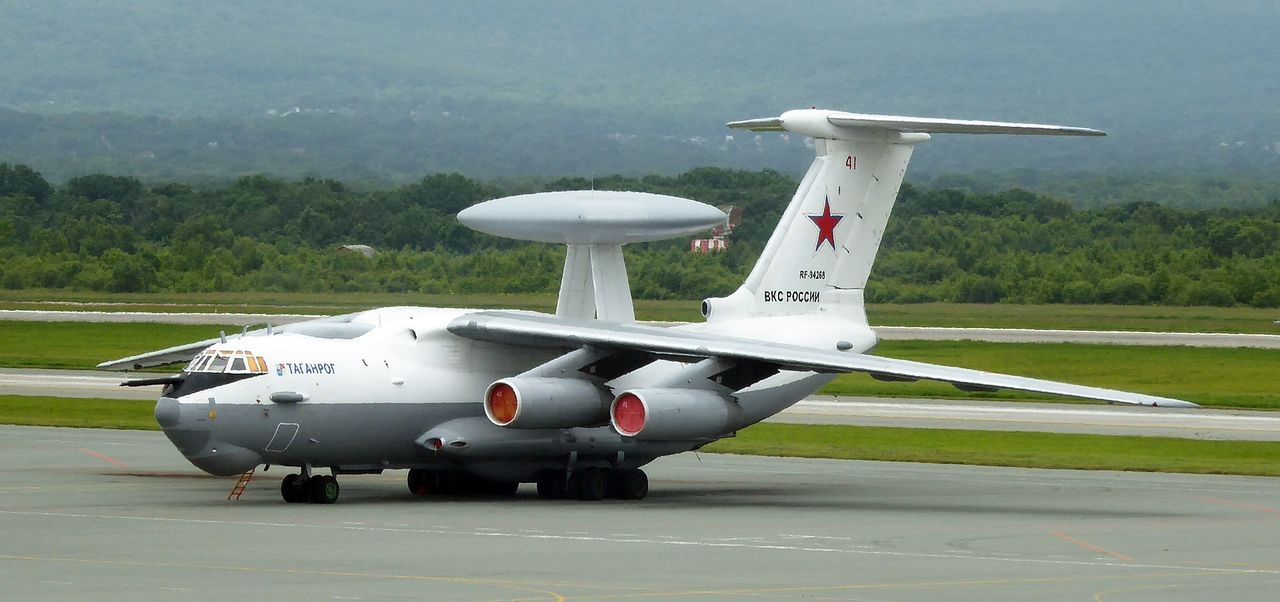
(822, 251)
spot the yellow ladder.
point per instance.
(238, 490)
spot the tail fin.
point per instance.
(822, 250)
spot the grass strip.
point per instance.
(86, 344)
(1240, 378)
(998, 315)
(944, 446)
(1153, 318)
(78, 412)
(1006, 448)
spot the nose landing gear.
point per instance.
(316, 489)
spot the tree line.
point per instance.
(102, 232)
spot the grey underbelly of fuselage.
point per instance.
(227, 439)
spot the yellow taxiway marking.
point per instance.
(1089, 546)
(543, 594)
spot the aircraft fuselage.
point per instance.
(405, 394)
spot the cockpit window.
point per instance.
(226, 360)
(217, 365)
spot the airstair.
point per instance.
(238, 490)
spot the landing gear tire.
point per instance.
(292, 490)
(552, 486)
(591, 483)
(630, 484)
(423, 482)
(322, 489)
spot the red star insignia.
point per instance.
(826, 223)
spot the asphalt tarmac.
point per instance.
(865, 411)
(119, 515)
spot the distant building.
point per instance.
(719, 234)
(365, 250)
(708, 245)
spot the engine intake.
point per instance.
(673, 414)
(534, 403)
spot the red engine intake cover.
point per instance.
(628, 414)
(502, 403)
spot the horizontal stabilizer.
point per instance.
(820, 123)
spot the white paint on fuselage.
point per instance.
(410, 357)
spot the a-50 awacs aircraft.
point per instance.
(577, 402)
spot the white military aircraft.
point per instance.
(483, 400)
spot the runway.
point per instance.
(888, 333)
(1087, 418)
(71, 383)
(153, 317)
(119, 515)
(865, 411)
(1097, 337)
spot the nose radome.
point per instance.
(167, 412)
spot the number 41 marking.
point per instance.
(851, 162)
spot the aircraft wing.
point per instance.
(332, 327)
(540, 330)
(160, 357)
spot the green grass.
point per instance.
(1077, 317)
(309, 303)
(1243, 378)
(86, 344)
(1004, 448)
(86, 413)
(1152, 318)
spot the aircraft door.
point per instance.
(284, 435)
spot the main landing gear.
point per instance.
(316, 489)
(594, 484)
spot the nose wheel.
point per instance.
(318, 489)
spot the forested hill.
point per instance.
(390, 91)
(113, 233)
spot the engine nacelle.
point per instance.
(673, 414)
(536, 403)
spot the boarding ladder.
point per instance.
(238, 490)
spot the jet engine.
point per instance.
(673, 414)
(536, 403)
